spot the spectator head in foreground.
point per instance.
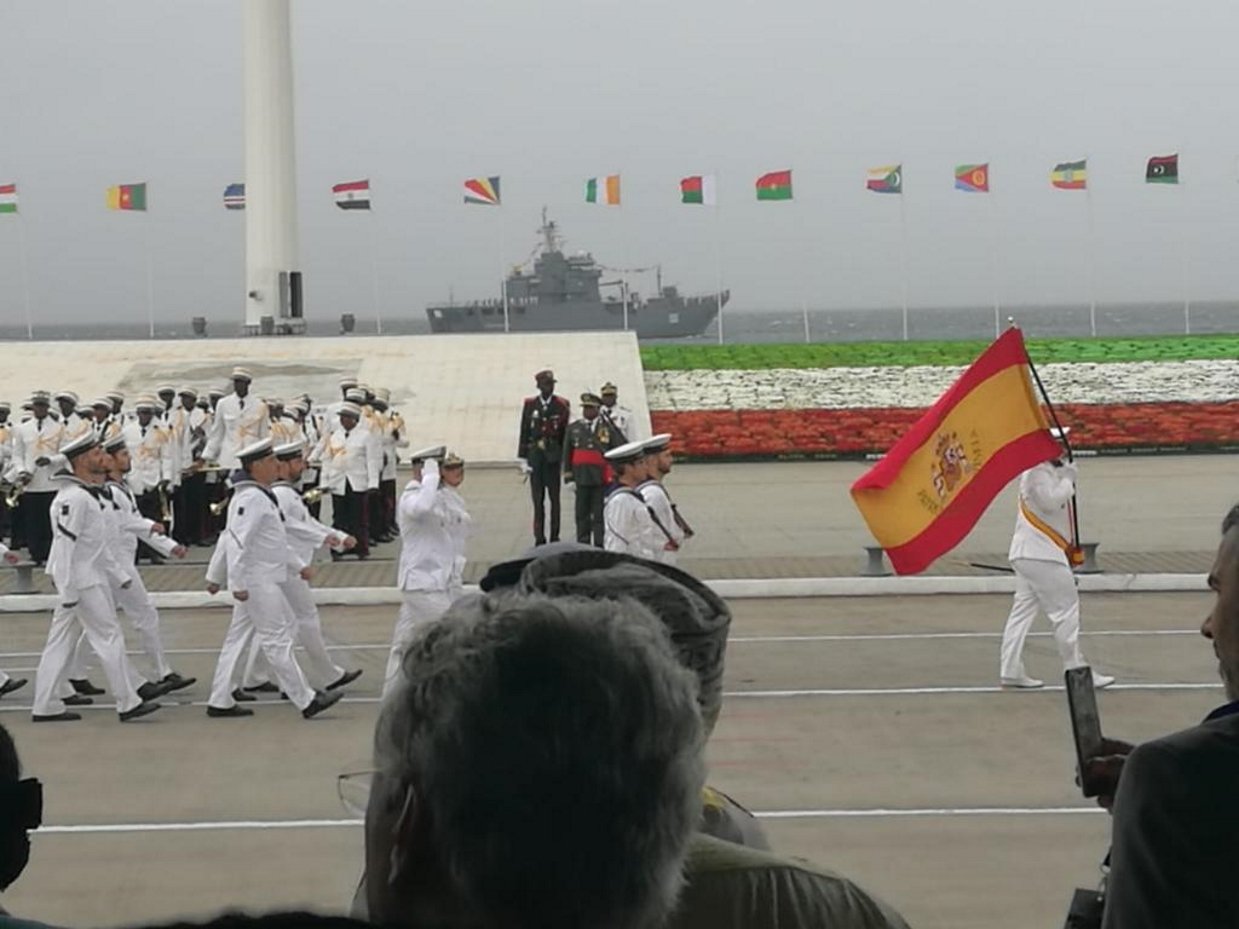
(1221, 626)
(21, 809)
(539, 764)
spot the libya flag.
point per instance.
(1162, 169)
(777, 185)
(127, 197)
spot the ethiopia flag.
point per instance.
(127, 197)
(603, 190)
(8, 198)
(973, 179)
(935, 483)
(700, 188)
(885, 180)
(352, 195)
(1162, 169)
(1070, 175)
(234, 197)
(482, 190)
(777, 185)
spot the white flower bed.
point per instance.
(851, 388)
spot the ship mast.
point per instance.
(549, 235)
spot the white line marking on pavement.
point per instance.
(875, 813)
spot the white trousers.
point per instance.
(1051, 586)
(95, 616)
(319, 669)
(135, 600)
(417, 607)
(265, 617)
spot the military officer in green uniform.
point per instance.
(544, 419)
(587, 440)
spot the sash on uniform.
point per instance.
(1075, 554)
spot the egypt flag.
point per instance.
(603, 190)
(127, 197)
(700, 189)
(930, 489)
(234, 197)
(1162, 169)
(482, 190)
(8, 198)
(352, 195)
(973, 179)
(887, 179)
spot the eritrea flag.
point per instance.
(777, 185)
(127, 197)
(1162, 169)
(972, 179)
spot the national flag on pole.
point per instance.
(482, 190)
(234, 197)
(1070, 175)
(777, 185)
(603, 190)
(352, 195)
(973, 179)
(930, 489)
(127, 197)
(1162, 169)
(8, 198)
(887, 179)
(700, 188)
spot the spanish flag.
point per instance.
(930, 489)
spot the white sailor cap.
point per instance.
(255, 450)
(241, 374)
(103, 402)
(147, 404)
(433, 451)
(452, 460)
(289, 450)
(657, 443)
(115, 396)
(627, 453)
(165, 389)
(187, 392)
(83, 443)
(382, 393)
(40, 396)
(355, 395)
(215, 392)
(349, 409)
(5, 405)
(297, 403)
(66, 395)
(114, 443)
(348, 380)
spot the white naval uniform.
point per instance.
(657, 499)
(434, 528)
(238, 422)
(392, 423)
(82, 567)
(1043, 575)
(623, 419)
(305, 536)
(5, 677)
(629, 527)
(351, 457)
(258, 558)
(185, 426)
(34, 439)
(151, 449)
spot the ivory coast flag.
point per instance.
(603, 190)
(933, 485)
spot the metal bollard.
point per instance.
(875, 563)
(1090, 565)
(24, 583)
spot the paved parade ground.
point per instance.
(869, 732)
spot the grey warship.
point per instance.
(564, 293)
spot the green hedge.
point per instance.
(903, 354)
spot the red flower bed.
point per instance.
(855, 433)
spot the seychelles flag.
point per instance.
(234, 197)
(885, 180)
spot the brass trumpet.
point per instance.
(165, 507)
(313, 495)
(14, 494)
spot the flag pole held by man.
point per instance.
(933, 485)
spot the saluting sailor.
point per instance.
(1040, 556)
(240, 421)
(83, 568)
(434, 529)
(630, 524)
(258, 558)
(655, 494)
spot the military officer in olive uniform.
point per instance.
(544, 419)
(585, 443)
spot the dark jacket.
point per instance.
(542, 431)
(584, 447)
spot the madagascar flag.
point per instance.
(933, 485)
(127, 197)
(777, 185)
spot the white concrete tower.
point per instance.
(271, 260)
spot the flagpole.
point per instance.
(503, 271)
(25, 269)
(1092, 259)
(374, 270)
(150, 281)
(1183, 259)
(718, 260)
(1073, 508)
(903, 255)
(995, 274)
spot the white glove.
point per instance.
(431, 466)
(524, 468)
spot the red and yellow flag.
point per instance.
(930, 489)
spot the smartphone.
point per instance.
(1085, 722)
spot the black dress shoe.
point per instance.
(345, 679)
(12, 684)
(145, 708)
(322, 700)
(153, 691)
(65, 717)
(177, 682)
(86, 688)
(78, 700)
(216, 712)
(337, 556)
(242, 697)
(266, 687)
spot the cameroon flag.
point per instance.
(930, 489)
(127, 197)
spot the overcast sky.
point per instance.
(419, 96)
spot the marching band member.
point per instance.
(35, 442)
(240, 421)
(351, 462)
(654, 493)
(434, 528)
(393, 437)
(151, 448)
(73, 422)
(630, 524)
(104, 424)
(189, 423)
(258, 558)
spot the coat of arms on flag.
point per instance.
(352, 195)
